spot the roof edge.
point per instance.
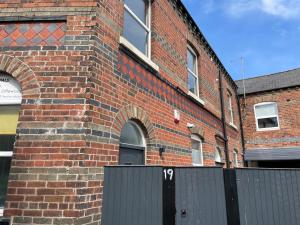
(195, 28)
(268, 90)
(269, 74)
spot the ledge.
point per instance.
(123, 41)
(267, 129)
(233, 126)
(31, 18)
(196, 98)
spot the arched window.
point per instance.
(132, 145)
(218, 156)
(235, 158)
(10, 100)
(197, 154)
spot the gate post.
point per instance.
(231, 196)
(169, 207)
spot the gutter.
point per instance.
(224, 121)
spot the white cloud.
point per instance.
(286, 9)
(208, 6)
(282, 8)
(204, 6)
(240, 7)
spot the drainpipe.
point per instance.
(242, 131)
(223, 121)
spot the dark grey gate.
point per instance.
(268, 196)
(132, 196)
(200, 197)
(139, 195)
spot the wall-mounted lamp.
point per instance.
(161, 150)
(190, 125)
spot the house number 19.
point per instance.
(168, 174)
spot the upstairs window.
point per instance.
(230, 108)
(137, 24)
(192, 72)
(197, 154)
(266, 115)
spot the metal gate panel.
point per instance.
(132, 196)
(200, 197)
(268, 196)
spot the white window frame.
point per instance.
(197, 138)
(263, 117)
(235, 158)
(146, 26)
(230, 108)
(195, 95)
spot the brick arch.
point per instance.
(131, 112)
(198, 131)
(22, 73)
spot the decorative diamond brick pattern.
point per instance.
(134, 73)
(32, 34)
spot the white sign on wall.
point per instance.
(10, 91)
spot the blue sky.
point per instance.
(266, 33)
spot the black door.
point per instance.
(131, 155)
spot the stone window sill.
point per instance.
(196, 98)
(123, 41)
(233, 126)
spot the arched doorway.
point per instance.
(10, 100)
(132, 144)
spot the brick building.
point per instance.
(271, 119)
(100, 83)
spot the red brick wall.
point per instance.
(85, 90)
(288, 110)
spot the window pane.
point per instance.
(267, 122)
(218, 155)
(191, 60)
(9, 116)
(192, 84)
(195, 145)
(4, 172)
(235, 158)
(135, 33)
(139, 8)
(6, 143)
(197, 157)
(266, 110)
(130, 134)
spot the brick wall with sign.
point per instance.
(80, 86)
